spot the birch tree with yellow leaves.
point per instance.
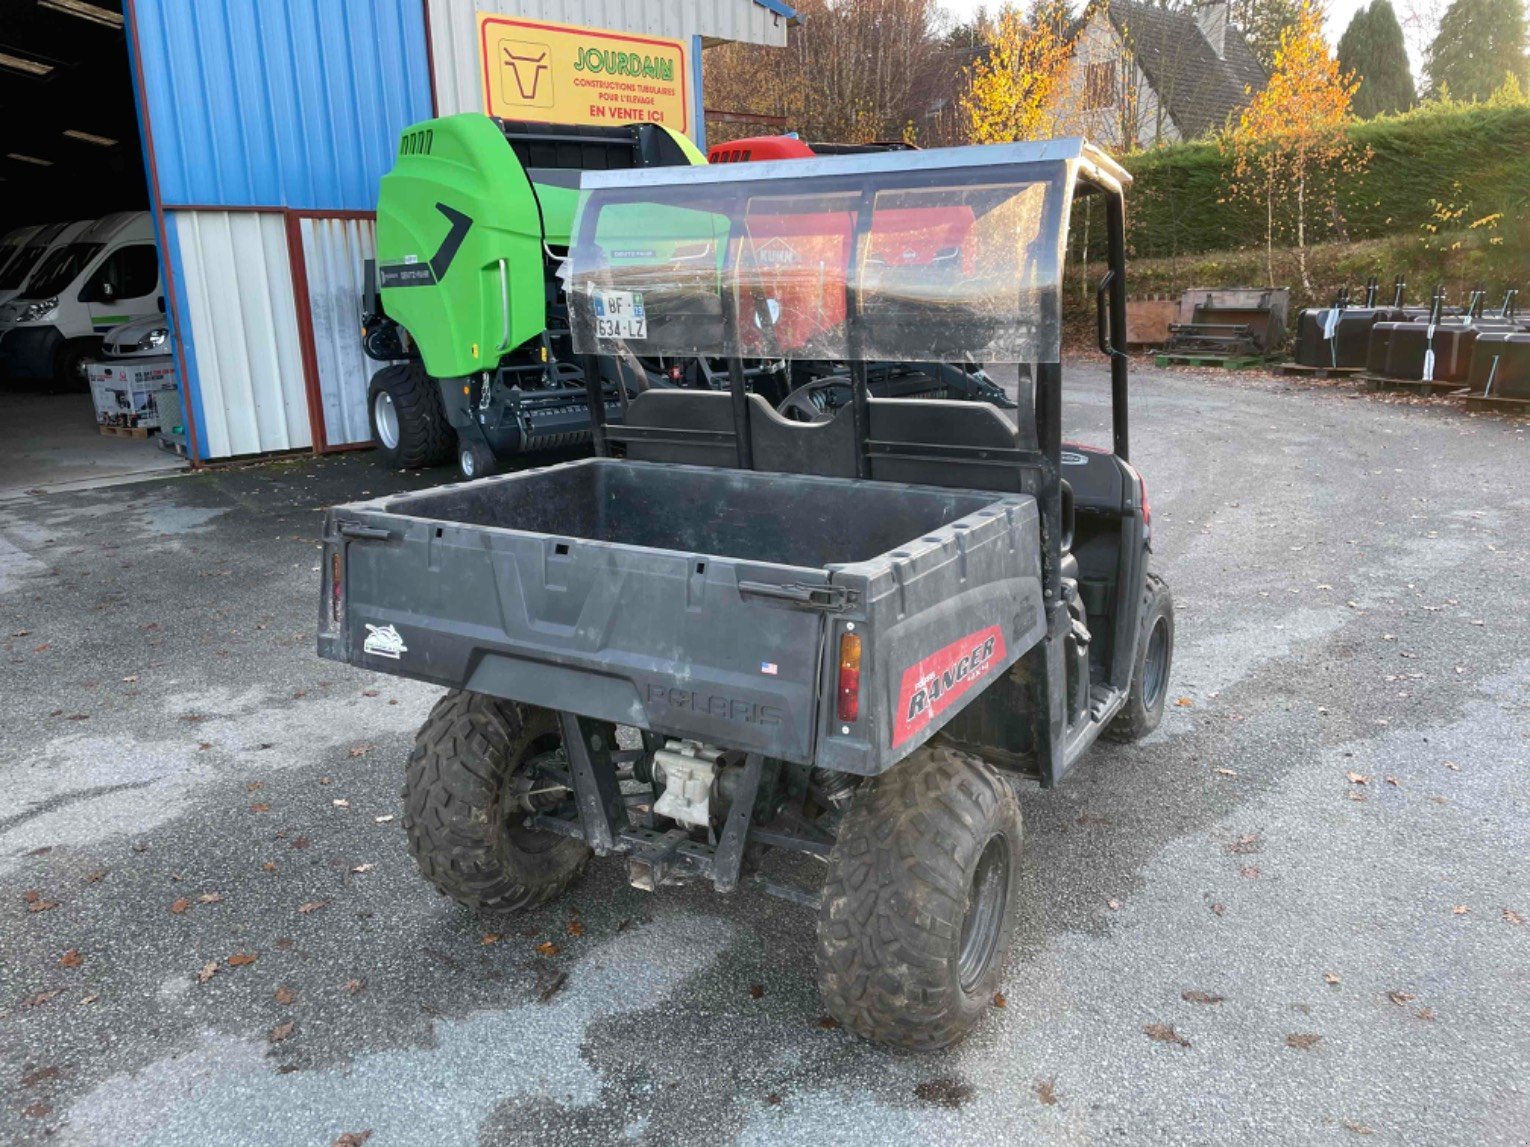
(1013, 90)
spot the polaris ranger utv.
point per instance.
(745, 634)
(465, 308)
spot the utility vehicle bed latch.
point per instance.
(825, 598)
(364, 533)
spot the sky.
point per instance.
(1339, 14)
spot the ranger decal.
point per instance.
(933, 685)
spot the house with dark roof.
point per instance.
(1144, 75)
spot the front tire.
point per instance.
(465, 791)
(919, 907)
(1155, 657)
(408, 418)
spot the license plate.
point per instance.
(620, 315)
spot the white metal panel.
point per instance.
(454, 31)
(237, 280)
(333, 253)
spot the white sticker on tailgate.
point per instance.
(620, 315)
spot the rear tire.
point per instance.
(1155, 657)
(408, 418)
(462, 805)
(919, 907)
(69, 363)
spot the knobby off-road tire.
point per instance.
(919, 907)
(420, 436)
(462, 812)
(1150, 676)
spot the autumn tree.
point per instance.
(1291, 145)
(1262, 23)
(1372, 49)
(1015, 85)
(1480, 43)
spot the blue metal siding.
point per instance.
(280, 103)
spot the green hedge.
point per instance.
(1475, 157)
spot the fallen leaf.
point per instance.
(369, 692)
(284, 995)
(756, 991)
(1249, 872)
(1355, 795)
(1218, 909)
(300, 842)
(354, 986)
(1452, 766)
(268, 866)
(773, 1099)
(1391, 780)
(90, 999)
(491, 938)
(203, 746)
(284, 943)
(359, 750)
(352, 1139)
(35, 903)
(1358, 1128)
(240, 959)
(37, 1110)
(383, 819)
(1512, 917)
(1399, 998)
(1184, 702)
(999, 1000)
(547, 948)
(209, 970)
(1046, 1091)
(211, 898)
(260, 808)
(1303, 1041)
(1247, 843)
(553, 987)
(361, 869)
(130, 679)
(1330, 978)
(1196, 997)
(1225, 772)
(1165, 1033)
(71, 959)
(180, 906)
(341, 802)
(97, 876)
(282, 1031)
(311, 907)
(42, 997)
(575, 928)
(254, 786)
(828, 1023)
(1113, 905)
(1358, 778)
(1460, 910)
(1425, 1014)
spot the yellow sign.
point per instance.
(563, 74)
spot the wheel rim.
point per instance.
(386, 417)
(1155, 666)
(987, 897)
(466, 462)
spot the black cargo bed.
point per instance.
(691, 601)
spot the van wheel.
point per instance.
(919, 907)
(470, 784)
(408, 418)
(70, 361)
(1155, 656)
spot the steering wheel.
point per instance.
(816, 401)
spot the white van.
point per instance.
(14, 241)
(105, 276)
(13, 276)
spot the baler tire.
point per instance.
(464, 840)
(1145, 701)
(898, 902)
(425, 437)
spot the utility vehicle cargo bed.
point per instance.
(693, 601)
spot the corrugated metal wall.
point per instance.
(332, 254)
(280, 103)
(454, 41)
(238, 326)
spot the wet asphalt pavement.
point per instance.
(1296, 914)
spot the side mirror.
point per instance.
(106, 292)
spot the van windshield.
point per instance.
(61, 268)
(16, 271)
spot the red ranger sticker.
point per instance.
(933, 685)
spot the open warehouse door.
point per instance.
(87, 380)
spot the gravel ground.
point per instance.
(1296, 914)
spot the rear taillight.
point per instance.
(1147, 510)
(334, 584)
(849, 707)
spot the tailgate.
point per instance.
(692, 645)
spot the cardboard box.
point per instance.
(127, 391)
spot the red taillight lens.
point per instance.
(334, 584)
(674, 374)
(1147, 510)
(849, 708)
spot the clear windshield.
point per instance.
(920, 264)
(16, 270)
(61, 268)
